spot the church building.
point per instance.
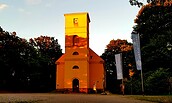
(79, 69)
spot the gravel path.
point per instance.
(64, 98)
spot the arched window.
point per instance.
(75, 40)
(75, 53)
(75, 67)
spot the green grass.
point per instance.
(158, 99)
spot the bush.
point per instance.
(157, 82)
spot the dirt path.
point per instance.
(65, 98)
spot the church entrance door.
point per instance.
(75, 85)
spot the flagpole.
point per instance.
(142, 82)
(141, 68)
(137, 51)
(123, 86)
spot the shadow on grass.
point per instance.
(157, 99)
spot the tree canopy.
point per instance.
(115, 47)
(25, 66)
(139, 3)
(153, 25)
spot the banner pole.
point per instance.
(142, 82)
(123, 87)
(141, 68)
(137, 52)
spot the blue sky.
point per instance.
(110, 19)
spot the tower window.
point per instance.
(75, 67)
(75, 53)
(75, 40)
(75, 20)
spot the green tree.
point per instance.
(50, 51)
(154, 26)
(16, 59)
(157, 82)
(139, 3)
(115, 47)
(27, 65)
(136, 3)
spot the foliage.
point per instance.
(136, 3)
(16, 59)
(25, 66)
(157, 82)
(50, 51)
(154, 26)
(115, 47)
(47, 46)
(133, 85)
(153, 21)
(139, 3)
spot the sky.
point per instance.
(110, 19)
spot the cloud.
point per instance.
(3, 6)
(33, 2)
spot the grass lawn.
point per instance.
(158, 99)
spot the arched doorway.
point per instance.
(75, 85)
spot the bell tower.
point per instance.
(79, 68)
(77, 51)
(76, 30)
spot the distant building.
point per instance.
(80, 68)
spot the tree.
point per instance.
(157, 82)
(152, 2)
(50, 51)
(115, 47)
(154, 26)
(28, 65)
(136, 3)
(16, 60)
(47, 46)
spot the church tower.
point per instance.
(75, 71)
(77, 49)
